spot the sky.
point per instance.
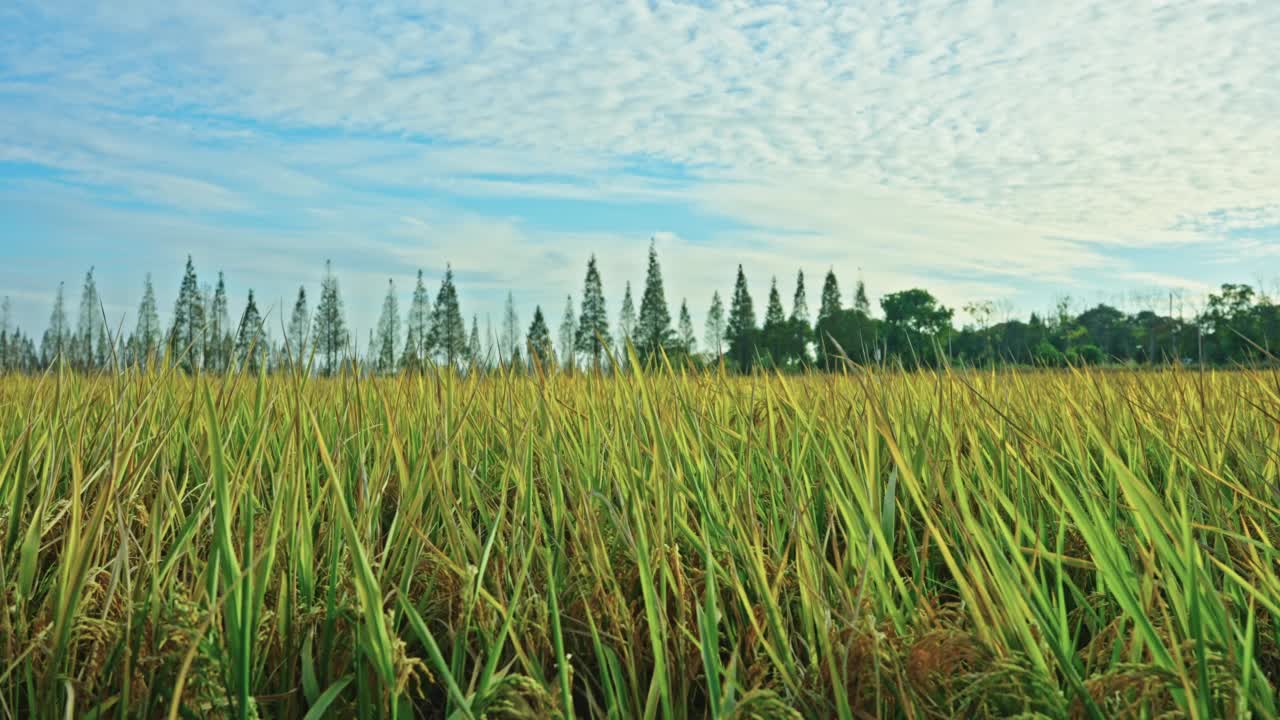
(1109, 150)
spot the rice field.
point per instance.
(1057, 544)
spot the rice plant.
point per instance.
(1060, 544)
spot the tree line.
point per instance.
(1237, 324)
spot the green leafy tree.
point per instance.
(1090, 354)
(1046, 355)
(592, 338)
(1108, 330)
(1228, 324)
(849, 333)
(981, 312)
(1265, 325)
(448, 329)
(538, 340)
(330, 334)
(915, 320)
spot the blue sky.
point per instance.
(1014, 151)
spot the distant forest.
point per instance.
(1236, 325)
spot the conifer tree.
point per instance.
(88, 326)
(799, 303)
(251, 344)
(654, 329)
(830, 297)
(775, 320)
(299, 323)
(388, 334)
(56, 343)
(22, 355)
(568, 335)
(448, 329)
(146, 333)
(688, 342)
(510, 350)
(627, 318)
(538, 339)
(475, 352)
(186, 336)
(27, 359)
(218, 339)
(107, 348)
(417, 342)
(278, 356)
(860, 301)
(774, 315)
(491, 339)
(742, 314)
(592, 337)
(6, 311)
(741, 330)
(12, 359)
(715, 326)
(828, 313)
(330, 334)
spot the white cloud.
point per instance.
(924, 141)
